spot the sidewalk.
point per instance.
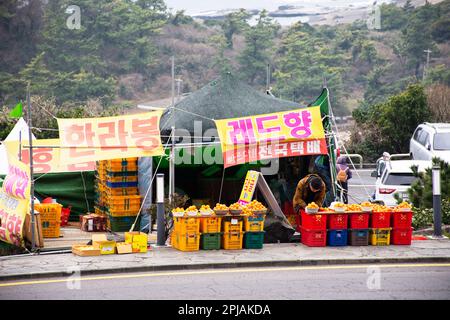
(167, 258)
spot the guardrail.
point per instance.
(355, 155)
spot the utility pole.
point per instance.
(30, 142)
(425, 69)
(172, 151)
(179, 81)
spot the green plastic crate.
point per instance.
(210, 241)
(253, 240)
(123, 224)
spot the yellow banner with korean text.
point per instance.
(46, 156)
(267, 136)
(14, 201)
(92, 139)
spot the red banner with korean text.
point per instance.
(283, 134)
(91, 139)
(14, 202)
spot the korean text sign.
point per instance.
(91, 139)
(283, 134)
(46, 153)
(249, 187)
(14, 202)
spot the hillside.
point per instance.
(117, 60)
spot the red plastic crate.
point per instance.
(313, 238)
(401, 220)
(359, 220)
(337, 221)
(65, 213)
(401, 236)
(380, 220)
(313, 221)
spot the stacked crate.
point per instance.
(186, 233)
(401, 222)
(313, 229)
(254, 232)
(210, 228)
(337, 229)
(380, 233)
(117, 193)
(358, 233)
(233, 232)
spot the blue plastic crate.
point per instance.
(337, 238)
(121, 184)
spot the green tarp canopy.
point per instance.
(225, 97)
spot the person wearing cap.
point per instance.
(309, 189)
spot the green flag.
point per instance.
(17, 111)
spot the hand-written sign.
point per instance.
(14, 202)
(91, 139)
(283, 134)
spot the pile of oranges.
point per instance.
(178, 210)
(220, 207)
(191, 209)
(312, 205)
(236, 206)
(255, 206)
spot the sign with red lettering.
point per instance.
(91, 139)
(276, 135)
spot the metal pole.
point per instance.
(20, 145)
(30, 142)
(160, 214)
(172, 149)
(437, 214)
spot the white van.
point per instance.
(397, 178)
(431, 140)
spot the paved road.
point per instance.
(413, 281)
(360, 185)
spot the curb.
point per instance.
(282, 263)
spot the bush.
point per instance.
(423, 217)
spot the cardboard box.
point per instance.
(138, 240)
(123, 248)
(101, 242)
(38, 235)
(93, 222)
(85, 251)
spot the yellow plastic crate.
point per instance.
(120, 179)
(186, 225)
(210, 224)
(380, 237)
(233, 240)
(186, 241)
(50, 219)
(229, 226)
(254, 224)
(115, 212)
(51, 229)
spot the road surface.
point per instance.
(402, 281)
(361, 185)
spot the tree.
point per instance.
(388, 126)
(257, 52)
(416, 36)
(234, 23)
(304, 60)
(421, 191)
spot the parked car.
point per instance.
(396, 178)
(431, 140)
